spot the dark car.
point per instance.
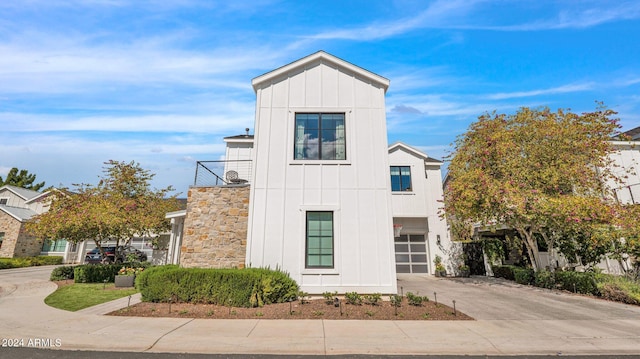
(113, 255)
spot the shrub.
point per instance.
(614, 292)
(303, 297)
(578, 282)
(329, 298)
(619, 288)
(98, 273)
(396, 300)
(505, 272)
(416, 300)
(249, 287)
(523, 275)
(46, 260)
(353, 298)
(373, 299)
(62, 273)
(545, 279)
(21, 262)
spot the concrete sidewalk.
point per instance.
(511, 320)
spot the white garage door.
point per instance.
(411, 254)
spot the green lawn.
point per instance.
(83, 295)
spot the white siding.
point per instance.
(627, 169)
(356, 189)
(418, 210)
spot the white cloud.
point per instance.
(437, 15)
(549, 91)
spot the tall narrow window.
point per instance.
(319, 246)
(320, 136)
(1, 238)
(400, 178)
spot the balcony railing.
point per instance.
(222, 173)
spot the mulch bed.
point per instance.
(313, 309)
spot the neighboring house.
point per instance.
(17, 206)
(324, 192)
(626, 191)
(627, 160)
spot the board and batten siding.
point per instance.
(356, 190)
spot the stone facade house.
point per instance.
(17, 206)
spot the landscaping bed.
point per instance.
(311, 309)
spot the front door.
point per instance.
(411, 254)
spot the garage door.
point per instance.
(411, 254)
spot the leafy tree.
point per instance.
(121, 206)
(537, 172)
(21, 178)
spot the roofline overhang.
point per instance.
(322, 57)
(415, 152)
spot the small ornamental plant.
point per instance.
(130, 271)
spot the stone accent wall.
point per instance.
(17, 243)
(215, 228)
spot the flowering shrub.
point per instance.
(130, 271)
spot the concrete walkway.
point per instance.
(511, 319)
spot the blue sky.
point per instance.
(162, 82)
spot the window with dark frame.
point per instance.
(4, 200)
(1, 238)
(320, 136)
(319, 240)
(400, 178)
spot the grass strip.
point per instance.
(83, 295)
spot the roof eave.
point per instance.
(319, 56)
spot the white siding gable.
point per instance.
(354, 189)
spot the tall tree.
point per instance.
(536, 171)
(122, 205)
(21, 178)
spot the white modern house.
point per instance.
(328, 201)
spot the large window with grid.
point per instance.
(400, 178)
(320, 136)
(59, 245)
(319, 240)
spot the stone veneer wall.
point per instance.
(17, 243)
(215, 228)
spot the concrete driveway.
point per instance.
(510, 320)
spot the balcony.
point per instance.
(222, 173)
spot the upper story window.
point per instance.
(320, 136)
(4, 200)
(400, 178)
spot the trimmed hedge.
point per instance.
(62, 273)
(98, 273)
(524, 276)
(505, 271)
(577, 282)
(21, 262)
(249, 287)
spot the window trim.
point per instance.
(336, 240)
(6, 200)
(306, 243)
(348, 130)
(410, 189)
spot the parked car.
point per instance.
(114, 255)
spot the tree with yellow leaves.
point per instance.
(539, 172)
(122, 205)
